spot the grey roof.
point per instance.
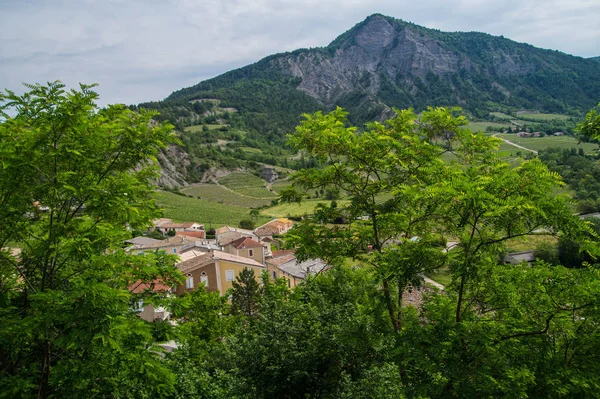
(302, 269)
(517, 257)
(142, 241)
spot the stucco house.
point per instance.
(171, 245)
(226, 234)
(274, 227)
(147, 311)
(284, 265)
(248, 248)
(216, 270)
(165, 225)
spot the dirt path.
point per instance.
(515, 144)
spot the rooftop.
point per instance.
(303, 269)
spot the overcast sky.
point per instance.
(144, 50)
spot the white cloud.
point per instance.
(143, 50)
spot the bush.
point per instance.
(547, 252)
(246, 224)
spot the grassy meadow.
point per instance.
(307, 207)
(542, 143)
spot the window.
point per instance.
(189, 282)
(138, 306)
(229, 275)
(274, 275)
(250, 252)
(289, 283)
(174, 250)
(204, 279)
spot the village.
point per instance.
(215, 263)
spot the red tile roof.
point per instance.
(156, 286)
(195, 234)
(245, 242)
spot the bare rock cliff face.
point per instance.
(172, 160)
(376, 48)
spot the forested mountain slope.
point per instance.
(384, 62)
(380, 63)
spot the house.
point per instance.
(194, 234)
(171, 245)
(226, 234)
(274, 227)
(216, 270)
(141, 241)
(147, 311)
(516, 258)
(248, 248)
(165, 226)
(284, 265)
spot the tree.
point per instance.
(246, 224)
(246, 294)
(390, 172)
(394, 174)
(74, 179)
(590, 127)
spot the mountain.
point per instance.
(384, 62)
(595, 58)
(378, 64)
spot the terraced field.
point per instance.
(219, 194)
(198, 128)
(542, 117)
(482, 126)
(180, 208)
(248, 185)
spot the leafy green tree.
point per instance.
(328, 339)
(590, 127)
(74, 178)
(245, 294)
(246, 224)
(391, 173)
(532, 335)
(202, 364)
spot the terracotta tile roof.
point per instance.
(194, 234)
(276, 226)
(161, 221)
(245, 242)
(202, 259)
(283, 252)
(195, 262)
(156, 286)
